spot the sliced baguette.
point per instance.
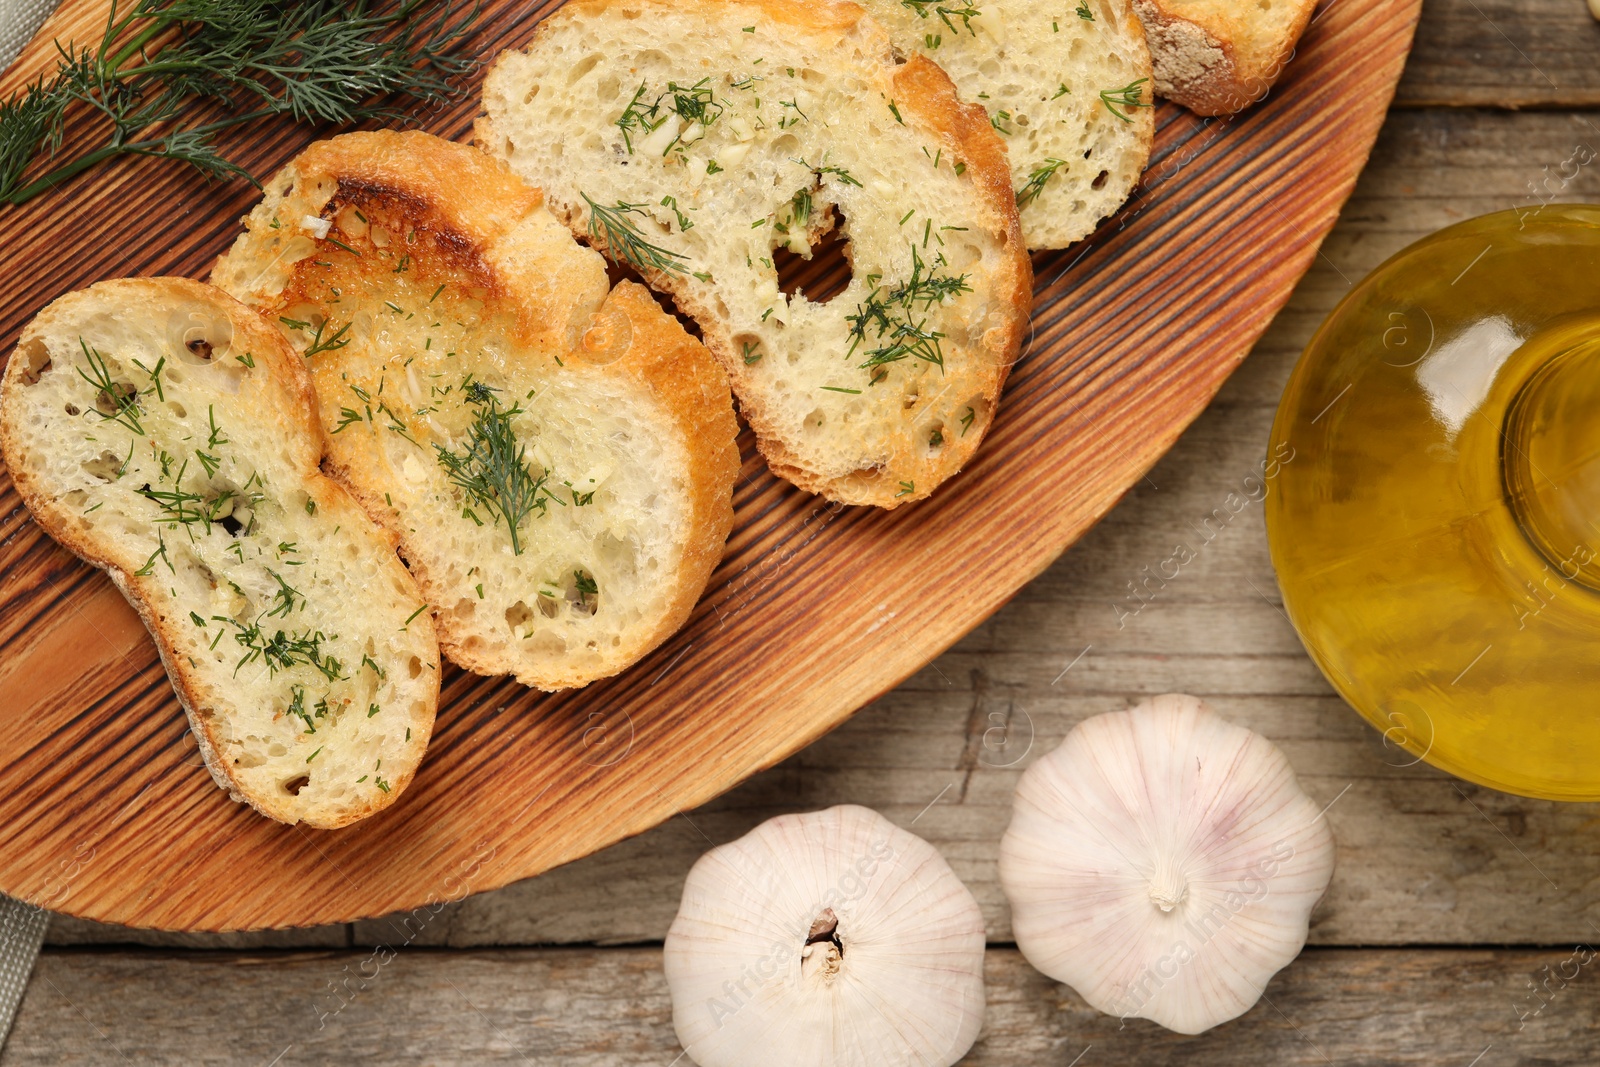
(1040, 67)
(802, 111)
(1217, 57)
(438, 275)
(161, 431)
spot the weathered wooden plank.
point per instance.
(610, 1007)
(65, 930)
(1503, 53)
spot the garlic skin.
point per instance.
(1163, 862)
(826, 939)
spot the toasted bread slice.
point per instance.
(160, 430)
(1216, 57)
(1068, 89)
(556, 459)
(696, 139)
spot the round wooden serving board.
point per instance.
(105, 809)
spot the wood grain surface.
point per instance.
(1133, 333)
(611, 1009)
(1419, 863)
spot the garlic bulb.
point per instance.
(826, 939)
(1163, 862)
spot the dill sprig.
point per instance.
(588, 591)
(1129, 96)
(492, 468)
(319, 344)
(639, 116)
(114, 401)
(892, 315)
(966, 12)
(796, 215)
(284, 650)
(1036, 181)
(180, 507)
(623, 242)
(844, 176)
(317, 61)
(285, 598)
(691, 103)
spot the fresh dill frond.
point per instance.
(215, 437)
(799, 213)
(946, 10)
(285, 598)
(695, 103)
(1129, 96)
(844, 176)
(160, 553)
(284, 650)
(178, 507)
(684, 223)
(638, 117)
(154, 374)
(588, 590)
(348, 417)
(1036, 181)
(624, 243)
(692, 103)
(114, 401)
(297, 709)
(492, 467)
(319, 344)
(891, 314)
(316, 61)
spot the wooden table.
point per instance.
(1448, 936)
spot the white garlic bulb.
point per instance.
(822, 940)
(1163, 862)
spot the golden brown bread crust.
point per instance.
(466, 210)
(285, 390)
(1209, 72)
(659, 353)
(839, 15)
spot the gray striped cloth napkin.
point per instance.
(21, 925)
(21, 933)
(19, 19)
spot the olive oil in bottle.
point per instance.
(1437, 535)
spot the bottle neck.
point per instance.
(1550, 456)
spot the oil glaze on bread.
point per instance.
(556, 457)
